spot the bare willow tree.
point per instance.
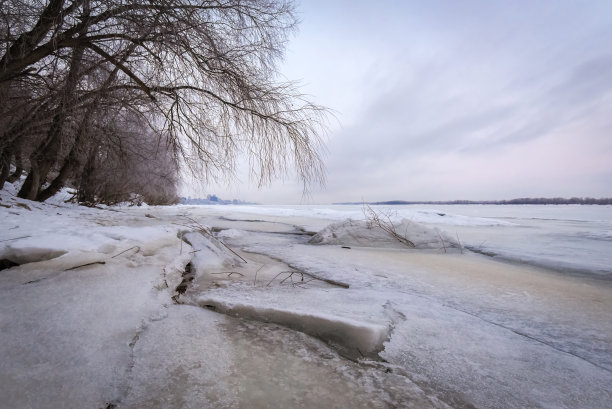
(127, 165)
(200, 74)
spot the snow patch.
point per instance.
(10, 189)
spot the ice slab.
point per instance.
(195, 358)
(355, 339)
(209, 253)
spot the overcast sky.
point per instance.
(441, 100)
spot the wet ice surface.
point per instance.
(454, 329)
(222, 362)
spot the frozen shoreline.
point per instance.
(456, 329)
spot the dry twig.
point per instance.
(383, 221)
(85, 265)
(125, 251)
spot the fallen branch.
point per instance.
(238, 255)
(329, 281)
(255, 280)
(206, 231)
(442, 241)
(35, 281)
(290, 276)
(314, 277)
(85, 265)
(125, 251)
(459, 243)
(16, 238)
(229, 273)
(274, 278)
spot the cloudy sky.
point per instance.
(441, 100)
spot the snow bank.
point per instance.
(64, 195)
(45, 243)
(353, 338)
(362, 234)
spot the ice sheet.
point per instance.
(457, 329)
(472, 330)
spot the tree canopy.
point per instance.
(95, 87)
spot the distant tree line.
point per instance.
(520, 201)
(114, 97)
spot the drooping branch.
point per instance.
(200, 76)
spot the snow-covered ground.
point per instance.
(268, 316)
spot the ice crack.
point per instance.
(522, 334)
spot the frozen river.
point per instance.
(265, 318)
(469, 329)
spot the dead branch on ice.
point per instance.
(15, 238)
(302, 274)
(85, 265)
(206, 231)
(383, 221)
(229, 273)
(125, 251)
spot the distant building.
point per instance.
(211, 200)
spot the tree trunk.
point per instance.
(5, 166)
(86, 194)
(74, 160)
(43, 158)
(11, 144)
(72, 163)
(18, 165)
(45, 155)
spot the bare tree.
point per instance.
(202, 73)
(126, 161)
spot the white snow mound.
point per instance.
(360, 233)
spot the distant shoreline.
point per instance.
(521, 201)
